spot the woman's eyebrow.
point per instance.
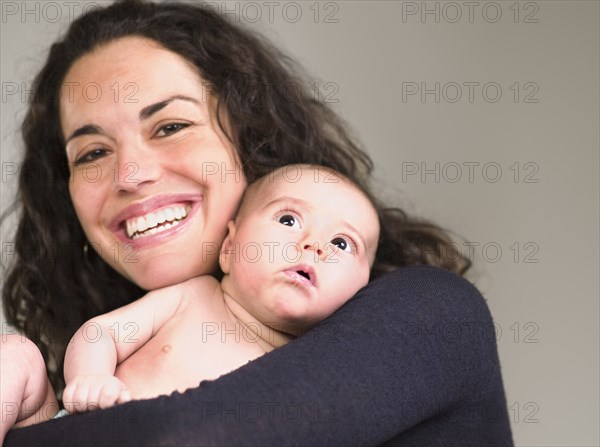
(145, 113)
(148, 111)
(88, 129)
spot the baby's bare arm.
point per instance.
(25, 393)
(105, 341)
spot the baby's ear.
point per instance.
(227, 249)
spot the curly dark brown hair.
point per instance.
(52, 287)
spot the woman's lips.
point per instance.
(155, 218)
(156, 221)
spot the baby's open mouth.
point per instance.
(156, 221)
(303, 273)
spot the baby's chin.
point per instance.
(292, 323)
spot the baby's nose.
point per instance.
(314, 246)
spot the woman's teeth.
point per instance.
(155, 222)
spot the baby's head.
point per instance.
(302, 244)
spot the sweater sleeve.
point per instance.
(410, 360)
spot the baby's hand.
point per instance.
(93, 391)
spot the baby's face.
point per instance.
(303, 245)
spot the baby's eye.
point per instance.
(170, 129)
(343, 244)
(91, 156)
(289, 220)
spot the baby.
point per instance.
(302, 244)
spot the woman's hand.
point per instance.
(92, 391)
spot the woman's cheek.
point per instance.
(79, 192)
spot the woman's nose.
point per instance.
(134, 169)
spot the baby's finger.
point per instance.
(67, 395)
(109, 394)
(78, 400)
(124, 397)
(93, 398)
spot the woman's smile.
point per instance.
(155, 215)
(156, 222)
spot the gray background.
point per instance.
(506, 157)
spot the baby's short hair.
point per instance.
(331, 175)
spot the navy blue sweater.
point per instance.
(411, 360)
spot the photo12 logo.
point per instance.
(470, 171)
(470, 12)
(453, 92)
(43, 11)
(272, 11)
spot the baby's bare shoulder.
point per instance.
(196, 284)
(199, 286)
(199, 283)
(184, 291)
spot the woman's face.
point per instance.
(154, 181)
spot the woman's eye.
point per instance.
(289, 220)
(170, 129)
(342, 244)
(91, 156)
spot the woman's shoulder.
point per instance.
(428, 292)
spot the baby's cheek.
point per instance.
(247, 275)
(360, 277)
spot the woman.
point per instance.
(144, 106)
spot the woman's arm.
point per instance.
(411, 360)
